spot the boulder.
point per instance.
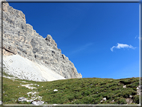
(21, 99)
(37, 102)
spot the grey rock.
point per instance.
(37, 102)
(139, 90)
(20, 38)
(129, 100)
(0, 102)
(22, 99)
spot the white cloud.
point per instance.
(119, 46)
(112, 48)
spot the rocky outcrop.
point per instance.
(20, 38)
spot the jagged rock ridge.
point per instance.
(20, 38)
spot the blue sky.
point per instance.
(101, 39)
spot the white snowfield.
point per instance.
(23, 68)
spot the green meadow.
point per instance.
(73, 91)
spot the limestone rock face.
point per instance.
(20, 38)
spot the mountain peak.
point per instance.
(19, 38)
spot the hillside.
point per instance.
(36, 71)
(72, 91)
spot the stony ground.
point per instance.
(23, 68)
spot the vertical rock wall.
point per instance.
(20, 38)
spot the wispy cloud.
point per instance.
(119, 46)
(82, 48)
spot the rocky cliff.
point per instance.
(20, 38)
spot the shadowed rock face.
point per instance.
(20, 38)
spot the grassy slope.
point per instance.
(74, 91)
